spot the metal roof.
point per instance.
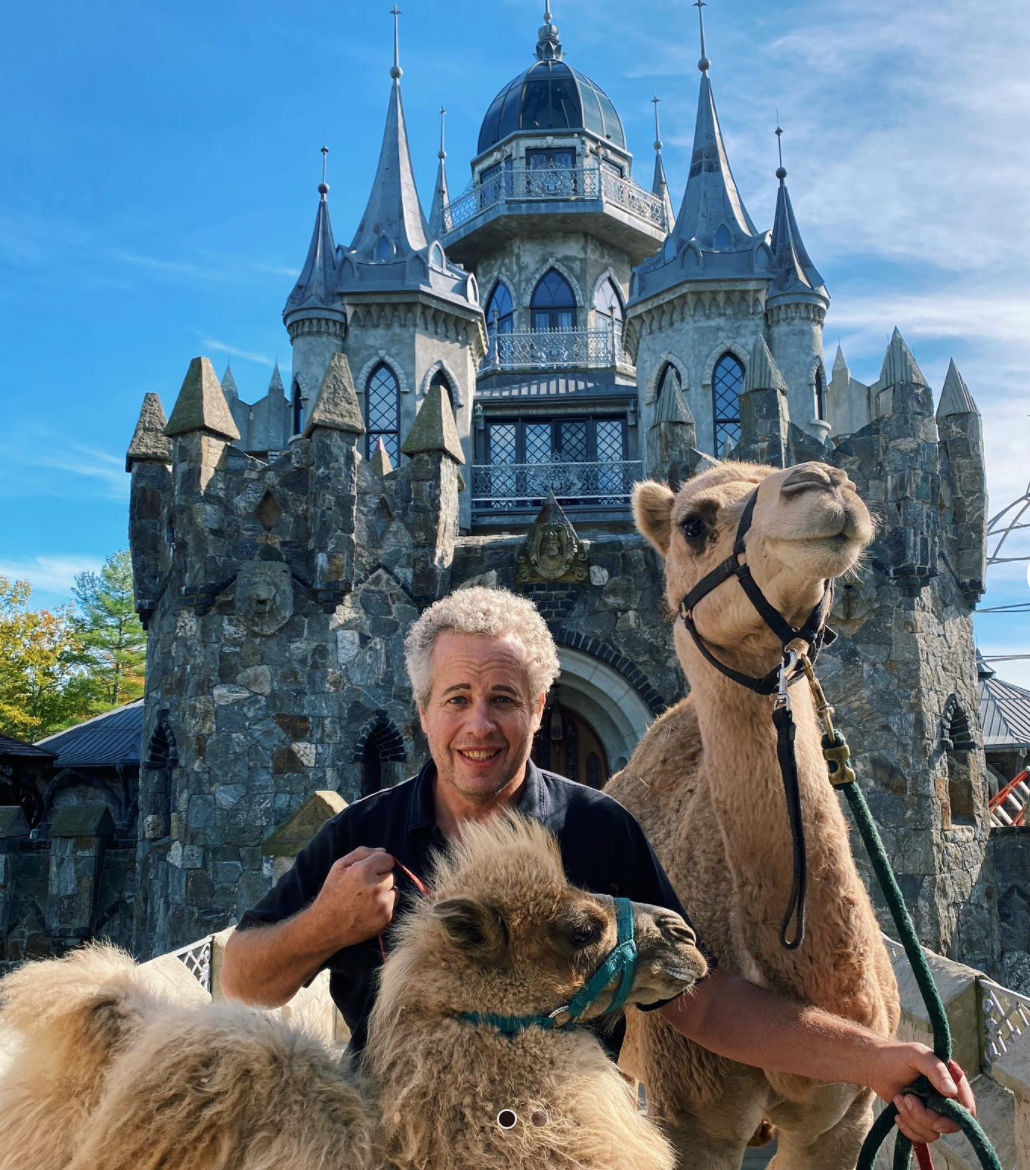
(1004, 711)
(17, 749)
(107, 741)
(550, 385)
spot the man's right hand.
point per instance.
(358, 897)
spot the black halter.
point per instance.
(816, 634)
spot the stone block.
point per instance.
(12, 822)
(291, 837)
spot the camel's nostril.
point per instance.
(804, 478)
(677, 930)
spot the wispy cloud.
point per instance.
(76, 463)
(51, 574)
(233, 351)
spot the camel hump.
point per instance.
(663, 766)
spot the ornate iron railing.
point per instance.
(554, 348)
(529, 184)
(506, 486)
(196, 958)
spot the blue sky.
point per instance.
(160, 164)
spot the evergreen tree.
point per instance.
(113, 646)
(39, 689)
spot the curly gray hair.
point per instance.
(478, 610)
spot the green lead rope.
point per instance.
(843, 777)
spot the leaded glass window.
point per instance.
(441, 379)
(297, 408)
(820, 394)
(501, 305)
(382, 412)
(727, 385)
(608, 304)
(553, 305)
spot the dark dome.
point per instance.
(551, 95)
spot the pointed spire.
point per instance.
(441, 196)
(336, 404)
(660, 184)
(393, 225)
(275, 383)
(899, 366)
(712, 211)
(955, 397)
(316, 285)
(229, 383)
(548, 46)
(434, 430)
(380, 460)
(793, 270)
(840, 363)
(149, 442)
(201, 405)
(762, 371)
(671, 407)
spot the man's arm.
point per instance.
(735, 1018)
(268, 965)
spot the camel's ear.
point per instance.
(652, 510)
(473, 927)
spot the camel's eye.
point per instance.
(585, 933)
(693, 527)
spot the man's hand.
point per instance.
(357, 898)
(896, 1066)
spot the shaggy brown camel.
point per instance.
(111, 1076)
(706, 785)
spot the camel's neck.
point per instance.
(742, 772)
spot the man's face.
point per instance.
(480, 718)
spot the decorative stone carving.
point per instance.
(552, 551)
(264, 595)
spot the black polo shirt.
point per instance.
(603, 848)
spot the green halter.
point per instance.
(622, 961)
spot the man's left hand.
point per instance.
(896, 1067)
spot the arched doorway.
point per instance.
(567, 744)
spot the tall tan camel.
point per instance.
(706, 785)
(109, 1074)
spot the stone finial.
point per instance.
(336, 404)
(671, 407)
(201, 405)
(434, 430)
(275, 383)
(291, 837)
(380, 460)
(955, 397)
(149, 441)
(899, 366)
(229, 383)
(13, 822)
(840, 363)
(551, 551)
(762, 371)
(82, 820)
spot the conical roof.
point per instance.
(712, 211)
(660, 187)
(336, 405)
(899, 366)
(671, 407)
(316, 285)
(793, 270)
(149, 441)
(229, 383)
(275, 383)
(762, 371)
(434, 429)
(955, 397)
(201, 405)
(441, 196)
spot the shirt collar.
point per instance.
(531, 801)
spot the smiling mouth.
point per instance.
(478, 755)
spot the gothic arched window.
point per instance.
(441, 379)
(553, 306)
(820, 394)
(382, 412)
(297, 408)
(608, 304)
(500, 306)
(727, 384)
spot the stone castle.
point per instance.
(472, 397)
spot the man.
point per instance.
(481, 662)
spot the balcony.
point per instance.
(582, 198)
(499, 489)
(555, 349)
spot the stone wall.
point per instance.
(1010, 850)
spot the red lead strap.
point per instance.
(923, 1156)
(423, 889)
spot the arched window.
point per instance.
(381, 744)
(441, 379)
(297, 408)
(722, 237)
(382, 412)
(671, 376)
(553, 306)
(608, 304)
(384, 249)
(501, 308)
(820, 394)
(727, 384)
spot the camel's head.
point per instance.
(808, 527)
(506, 933)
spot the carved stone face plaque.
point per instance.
(264, 596)
(552, 551)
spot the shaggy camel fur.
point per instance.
(111, 1076)
(706, 786)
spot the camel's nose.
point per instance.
(675, 929)
(812, 476)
